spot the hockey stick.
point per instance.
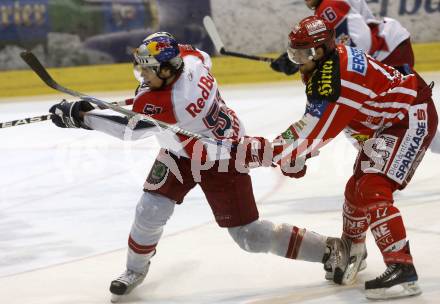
(41, 71)
(29, 120)
(220, 47)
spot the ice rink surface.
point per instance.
(67, 199)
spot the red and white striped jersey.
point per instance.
(350, 91)
(192, 102)
(356, 26)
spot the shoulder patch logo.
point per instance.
(357, 61)
(151, 109)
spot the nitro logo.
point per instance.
(357, 62)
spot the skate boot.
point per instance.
(398, 280)
(346, 275)
(335, 257)
(330, 274)
(125, 283)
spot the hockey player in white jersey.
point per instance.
(178, 88)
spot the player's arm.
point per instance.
(118, 126)
(81, 114)
(301, 139)
(314, 130)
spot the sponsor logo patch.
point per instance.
(379, 150)
(157, 173)
(325, 82)
(357, 61)
(411, 145)
(289, 134)
(316, 108)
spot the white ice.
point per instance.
(67, 200)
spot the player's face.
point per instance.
(300, 56)
(150, 78)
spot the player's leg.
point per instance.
(152, 213)
(153, 210)
(386, 225)
(232, 201)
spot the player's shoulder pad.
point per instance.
(325, 83)
(151, 102)
(189, 50)
(356, 61)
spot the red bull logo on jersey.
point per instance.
(357, 61)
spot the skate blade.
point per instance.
(397, 291)
(115, 298)
(351, 272)
(330, 275)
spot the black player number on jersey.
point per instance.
(218, 121)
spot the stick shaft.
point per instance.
(44, 117)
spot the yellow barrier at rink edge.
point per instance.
(119, 77)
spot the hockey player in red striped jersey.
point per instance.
(392, 123)
(178, 88)
(385, 40)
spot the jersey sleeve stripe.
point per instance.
(349, 102)
(393, 104)
(309, 140)
(318, 140)
(402, 90)
(378, 114)
(358, 88)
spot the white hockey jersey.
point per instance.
(356, 26)
(192, 102)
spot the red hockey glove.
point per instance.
(294, 169)
(254, 152)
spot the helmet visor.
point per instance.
(300, 56)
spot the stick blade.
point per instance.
(35, 64)
(213, 33)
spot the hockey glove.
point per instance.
(254, 152)
(296, 169)
(284, 65)
(67, 114)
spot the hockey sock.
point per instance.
(355, 224)
(387, 227)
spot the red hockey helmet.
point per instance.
(308, 34)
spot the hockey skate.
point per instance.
(346, 275)
(398, 280)
(336, 256)
(126, 282)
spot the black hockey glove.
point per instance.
(284, 65)
(66, 114)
